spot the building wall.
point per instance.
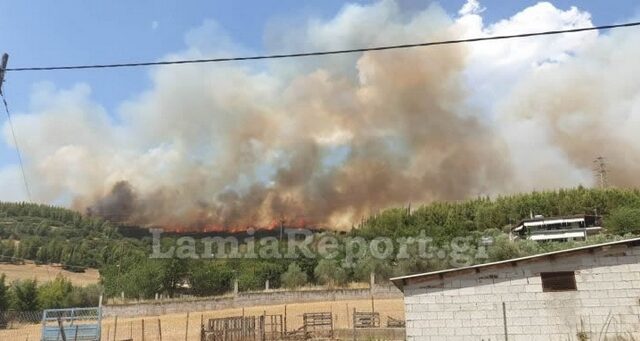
(246, 299)
(470, 306)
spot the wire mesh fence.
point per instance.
(187, 326)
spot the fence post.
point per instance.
(115, 328)
(142, 329)
(347, 317)
(201, 327)
(353, 320)
(159, 329)
(131, 330)
(186, 329)
(264, 325)
(75, 336)
(285, 319)
(504, 318)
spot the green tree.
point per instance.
(4, 293)
(88, 296)
(623, 220)
(294, 277)
(143, 280)
(174, 272)
(209, 278)
(24, 295)
(330, 272)
(55, 294)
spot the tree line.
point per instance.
(29, 295)
(59, 235)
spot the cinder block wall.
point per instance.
(246, 299)
(469, 306)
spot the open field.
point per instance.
(44, 273)
(174, 325)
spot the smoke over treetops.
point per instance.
(327, 140)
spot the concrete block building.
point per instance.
(586, 293)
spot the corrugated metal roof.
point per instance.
(399, 281)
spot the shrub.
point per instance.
(210, 278)
(54, 294)
(24, 295)
(330, 272)
(294, 277)
(623, 220)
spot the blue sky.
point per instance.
(65, 32)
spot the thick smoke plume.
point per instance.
(325, 141)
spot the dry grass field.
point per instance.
(173, 326)
(45, 273)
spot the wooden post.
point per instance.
(332, 321)
(131, 330)
(504, 318)
(64, 337)
(201, 327)
(186, 329)
(347, 317)
(75, 336)
(285, 319)
(115, 328)
(142, 329)
(353, 320)
(159, 329)
(264, 325)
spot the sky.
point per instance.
(42, 33)
(69, 32)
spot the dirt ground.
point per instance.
(174, 326)
(45, 273)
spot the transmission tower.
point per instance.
(600, 171)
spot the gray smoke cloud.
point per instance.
(326, 141)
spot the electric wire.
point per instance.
(15, 142)
(323, 53)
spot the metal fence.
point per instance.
(172, 326)
(9, 319)
(78, 324)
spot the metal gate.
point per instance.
(80, 324)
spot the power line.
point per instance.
(15, 142)
(3, 68)
(322, 53)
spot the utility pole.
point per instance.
(3, 67)
(600, 171)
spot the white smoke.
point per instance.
(330, 139)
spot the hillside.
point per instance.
(48, 234)
(55, 235)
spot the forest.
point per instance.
(47, 234)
